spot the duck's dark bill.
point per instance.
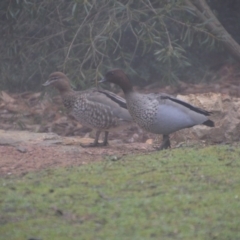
(102, 80)
(47, 83)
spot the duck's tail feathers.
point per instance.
(209, 123)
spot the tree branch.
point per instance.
(204, 13)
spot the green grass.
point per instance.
(176, 194)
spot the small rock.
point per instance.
(116, 141)
(21, 149)
(113, 158)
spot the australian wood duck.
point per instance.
(98, 109)
(158, 113)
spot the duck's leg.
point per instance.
(165, 143)
(105, 141)
(95, 143)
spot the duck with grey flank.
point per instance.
(158, 113)
(98, 109)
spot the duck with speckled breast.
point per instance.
(98, 109)
(158, 113)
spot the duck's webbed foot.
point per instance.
(165, 143)
(96, 143)
(90, 145)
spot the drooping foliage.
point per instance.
(150, 39)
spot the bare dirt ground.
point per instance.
(23, 151)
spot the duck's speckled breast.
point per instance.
(143, 109)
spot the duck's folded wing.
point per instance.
(112, 101)
(110, 96)
(168, 99)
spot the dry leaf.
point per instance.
(6, 98)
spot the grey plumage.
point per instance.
(158, 113)
(98, 109)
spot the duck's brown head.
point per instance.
(118, 77)
(60, 81)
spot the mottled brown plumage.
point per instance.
(98, 109)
